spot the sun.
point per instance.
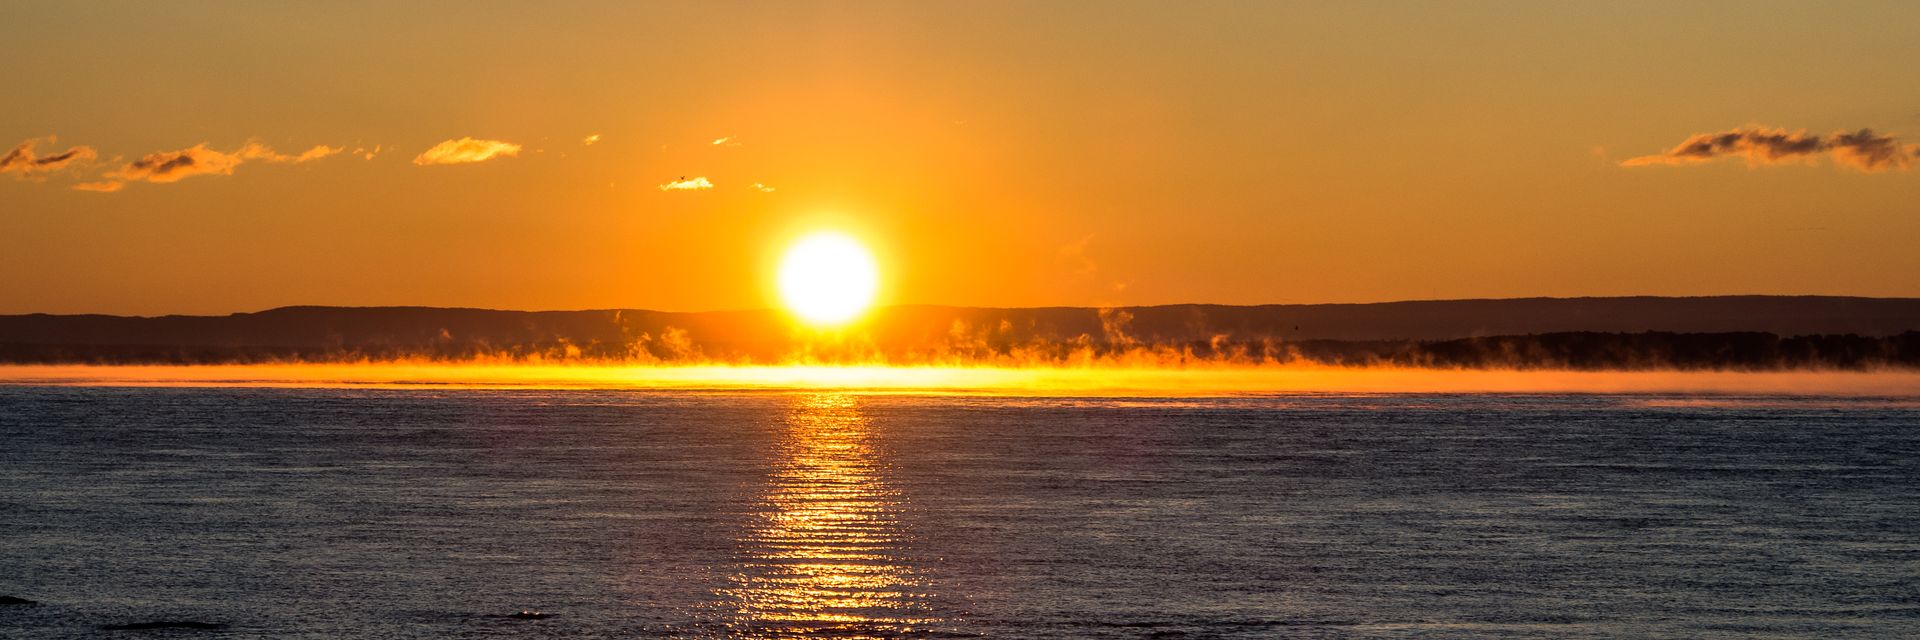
(827, 278)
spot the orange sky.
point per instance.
(991, 154)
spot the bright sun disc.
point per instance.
(827, 278)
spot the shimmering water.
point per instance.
(288, 513)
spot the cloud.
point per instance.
(104, 186)
(1867, 151)
(726, 141)
(255, 151)
(1863, 149)
(1074, 256)
(466, 150)
(696, 183)
(762, 188)
(23, 162)
(589, 140)
(198, 160)
(365, 153)
(173, 166)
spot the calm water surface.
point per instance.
(432, 514)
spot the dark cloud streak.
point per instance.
(23, 162)
(1866, 151)
(172, 166)
(1863, 149)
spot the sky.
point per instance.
(216, 157)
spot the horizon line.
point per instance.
(877, 308)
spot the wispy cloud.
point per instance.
(104, 186)
(365, 153)
(23, 162)
(1867, 151)
(1074, 256)
(198, 160)
(762, 188)
(696, 183)
(726, 141)
(466, 150)
(589, 140)
(173, 166)
(253, 150)
(1863, 150)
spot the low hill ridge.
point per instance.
(918, 333)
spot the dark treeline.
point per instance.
(1736, 351)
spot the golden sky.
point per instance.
(238, 156)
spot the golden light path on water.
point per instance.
(1041, 381)
(823, 556)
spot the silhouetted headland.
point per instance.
(1727, 332)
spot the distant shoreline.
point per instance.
(1757, 333)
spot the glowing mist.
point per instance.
(1061, 381)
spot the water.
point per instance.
(322, 513)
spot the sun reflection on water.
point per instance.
(824, 554)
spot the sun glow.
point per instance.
(827, 278)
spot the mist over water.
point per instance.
(428, 513)
(1152, 380)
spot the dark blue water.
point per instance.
(433, 514)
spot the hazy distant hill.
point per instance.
(1401, 331)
